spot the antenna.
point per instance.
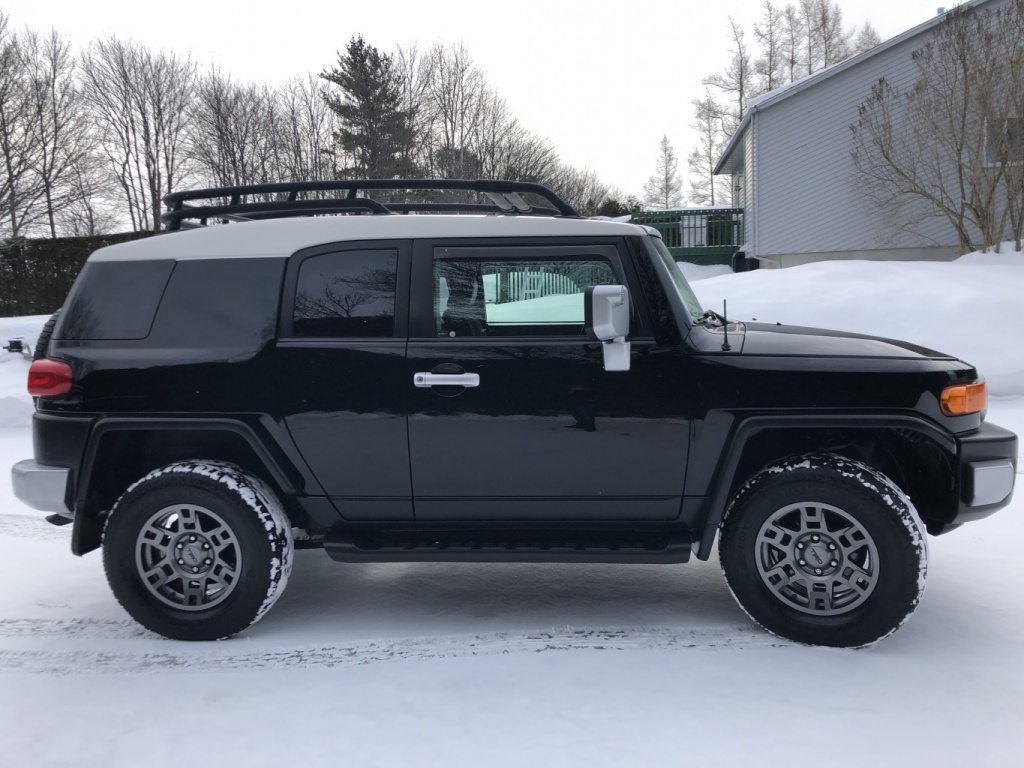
(725, 325)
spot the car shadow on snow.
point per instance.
(447, 598)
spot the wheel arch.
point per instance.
(914, 453)
(122, 450)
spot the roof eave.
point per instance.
(724, 164)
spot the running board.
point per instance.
(483, 547)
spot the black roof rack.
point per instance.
(293, 199)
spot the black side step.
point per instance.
(523, 548)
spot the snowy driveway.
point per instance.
(505, 665)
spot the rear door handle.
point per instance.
(427, 379)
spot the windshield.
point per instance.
(686, 294)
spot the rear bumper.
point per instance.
(988, 469)
(41, 486)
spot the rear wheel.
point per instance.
(824, 550)
(43, 342)
(197, 550)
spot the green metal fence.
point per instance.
(698, 235)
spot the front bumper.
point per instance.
(988, 468)
(41, 486)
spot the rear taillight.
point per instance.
(49, 378)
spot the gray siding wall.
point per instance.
(807, 195)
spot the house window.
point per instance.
(1004, 141)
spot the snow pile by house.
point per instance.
(971, 308)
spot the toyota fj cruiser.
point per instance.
(514, 383)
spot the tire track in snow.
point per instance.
(74, 629)
(29, 527)
(365, 652)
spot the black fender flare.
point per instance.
(269, 441)
(746, 428)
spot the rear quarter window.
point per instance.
(113, 300)
(220, 303)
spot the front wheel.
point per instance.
(824, 550)
(197, 550)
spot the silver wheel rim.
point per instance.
(817, 559)
(188, 557)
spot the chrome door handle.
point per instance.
(427, 379)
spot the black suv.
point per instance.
(513, 383)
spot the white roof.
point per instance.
(283, 237)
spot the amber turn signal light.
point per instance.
(49, 378)
(961, 399)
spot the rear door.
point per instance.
(511, 413)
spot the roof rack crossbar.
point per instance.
(506, 196)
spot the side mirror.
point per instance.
(606, 316)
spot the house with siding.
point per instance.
(792, 171)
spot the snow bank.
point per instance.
(971, 307)
(15, 405)
(694, 272)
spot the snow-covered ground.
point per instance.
(550, 665)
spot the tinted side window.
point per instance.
(348, 293)
(114, 300)
(220, 303)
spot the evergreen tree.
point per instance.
(664, 189)
(376, 132)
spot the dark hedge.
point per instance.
(36, 275)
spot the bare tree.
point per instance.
(953, 144)
(306, 127)
(831, 41)
(505, 149)
(866, 39)
(19, 186)
(58, 124)
(708, 126)
(791, 42)
(580, 188)
(414, 74)
(770, 66)
(89, 210)
(664, 189)
(737, 81)
(140, 101)
(233, 131)
(457, 92)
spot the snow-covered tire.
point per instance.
(197, 550)
(824, 550)
(43, 342)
